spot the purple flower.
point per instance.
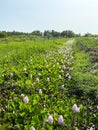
(26, 99)
(60, 120)
(75, 108)
(50, 119)
(32, 128)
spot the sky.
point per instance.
(80, 16)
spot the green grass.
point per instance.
(84, 72)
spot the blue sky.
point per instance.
(81, 16)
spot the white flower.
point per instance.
(62, 86)
(44, 106)
(32, 128)
(31, 61)
(67, 74)
(40, 91)
(57, 63)
(60, 120)
(31, 76)
(91, 128)
(69, 77)
(25, 70)
(39, 74)
(22, 95)
(48, 79)
(47, 66)
(26, 99)
(37, 79)
(62, 71)
(60, 76)
(50, 119)
(75, 108)
(11, 75)
(64, 67)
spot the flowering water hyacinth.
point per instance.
(91, 128)
(26, 99)
(22, 95)
(40, 91)
(69, 77)
(31, 76)
(39, 74)
(60, 76)
(50, 119)
(57, 63)
(64, 67)
(75, 108)
(31, 61)
(37, 79)
(11, 75)
(62, 86)
(25, 70)
(61, 120)
(32, 128)
(67, 74)
(47, 66)
(48, 79)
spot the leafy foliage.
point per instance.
(40, 80)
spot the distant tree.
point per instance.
(78, 35)
(15, 33)
(63, 34)
(68, 33)
(55, 33)
(37, 33)
(88, 35)
(3, 34)
(47, 34)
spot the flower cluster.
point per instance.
(60, 120)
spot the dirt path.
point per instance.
(70, 41)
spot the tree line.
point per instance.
(46, 33)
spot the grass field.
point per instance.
(49, 84)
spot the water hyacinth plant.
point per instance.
(75, 108)
(44, 90)
(26, 99)
(50, 119)
(32, 128)
(40, 91)
(61, 120)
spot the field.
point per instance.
(49, 84)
